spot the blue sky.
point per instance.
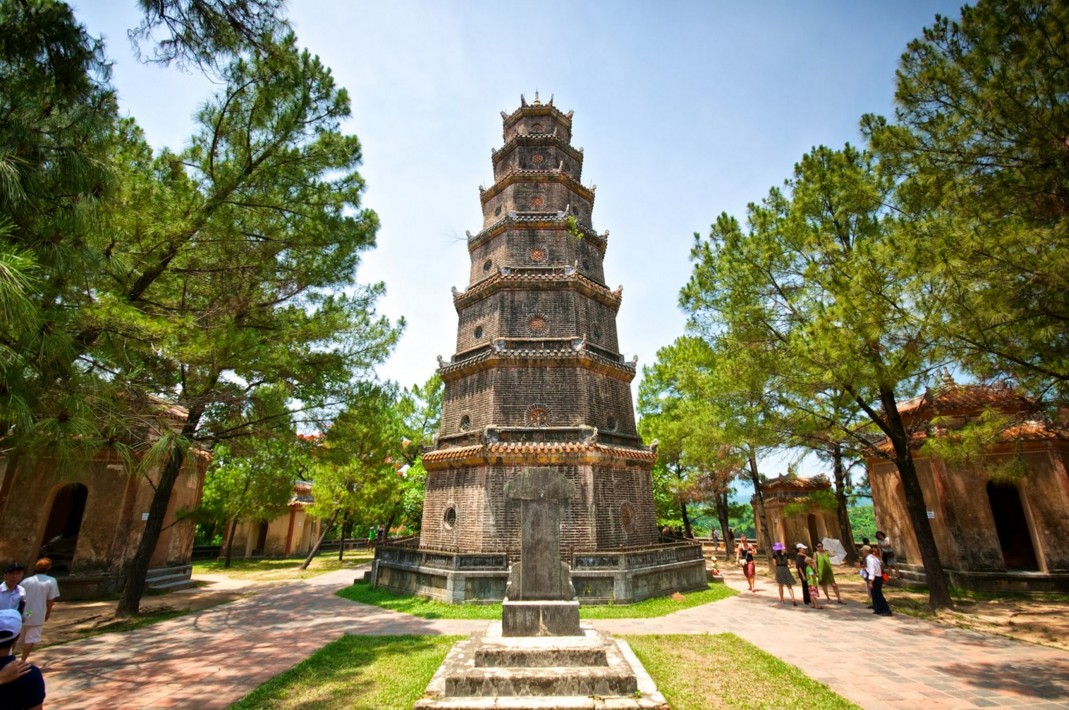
(684, 110)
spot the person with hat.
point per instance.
(27, 690)
(784, 578)
(874, 576)
(799, 565)
(12, 595)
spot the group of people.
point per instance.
(816, 573)
(25, 605)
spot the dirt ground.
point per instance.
(1035, 620)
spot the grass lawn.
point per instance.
(693, 672)
(286, 569)
(723, 671)
(431, 609)
(372, 672)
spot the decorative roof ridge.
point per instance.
(535, 447)
(536, 108)
(494, 352)
(555, 176)
(558, 217)
(568, 274)
(576, 153)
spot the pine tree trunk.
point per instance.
(322, 536)
(233, 528)
(938, 589)
(763, 528)
(341, 544)
(137, 569)
(840, 498)
(687, 531)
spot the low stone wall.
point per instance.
(619, 577)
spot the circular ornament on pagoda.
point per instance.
(537, 201)
(628, 520)
(488, 264)
(538, 416)
(538, 159)
(537, 254)
(537, 325)
(478, 332)
(449, 518)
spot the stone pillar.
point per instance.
(540, 599)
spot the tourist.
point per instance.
(887, 553)
(716, 538)
(825, 574)
(750, 570)
(12, 595)
(799, 566)
(27, 690)
(742, 549)
(42, 591)
(874, 573)
(784, 578)
(811, 582)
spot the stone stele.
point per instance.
(540, 599)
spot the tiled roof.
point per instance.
(546, 276)
(793, 483)
(953, 397)
(554, 220)
(510, 449)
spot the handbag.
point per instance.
(886, 577)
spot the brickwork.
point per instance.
(538, 379)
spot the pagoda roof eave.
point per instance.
(542, 452)
(524, 177)
(549, 279)
(516, 220)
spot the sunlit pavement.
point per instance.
(212, 658)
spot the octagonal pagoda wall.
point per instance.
(514, 248)
(506, 396)
(510, 313)
(481, 519)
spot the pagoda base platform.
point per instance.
(620, 576)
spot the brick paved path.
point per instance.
(212, 658)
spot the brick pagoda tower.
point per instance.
(538, 380)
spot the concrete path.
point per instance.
(212, 658)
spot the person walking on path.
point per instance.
(825, 574)
(875, 581)
(811, 582)
(750, 570)
(742, 549)
(784, 578)
(42, 590)
(799, 566)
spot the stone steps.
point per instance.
(169, 579)
(592, 670)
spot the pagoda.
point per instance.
(538, 380)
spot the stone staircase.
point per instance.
(490, 671)
(169, 579)
(910, 576)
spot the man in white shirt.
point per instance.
(12, 595)
(42, 591)
(874, 572)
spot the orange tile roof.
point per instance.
(534, 448)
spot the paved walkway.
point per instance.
(212, 658)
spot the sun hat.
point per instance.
(10, 624)
(801, 546)
(778, 547)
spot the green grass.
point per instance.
(372, 672)
(284, 569)
(431, 609)
(723, 671)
